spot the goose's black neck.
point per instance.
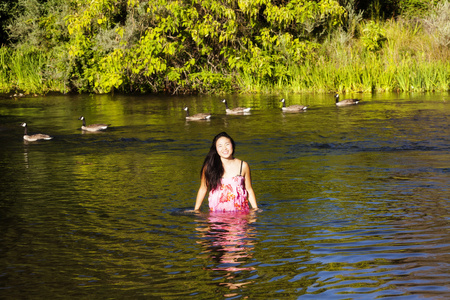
(25, 130)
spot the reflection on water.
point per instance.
(354, 199)
(228, 241)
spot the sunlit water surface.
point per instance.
(354, 200)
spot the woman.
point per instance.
(227, 178)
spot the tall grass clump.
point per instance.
(26, 70)
(4, 76)
(30, 70)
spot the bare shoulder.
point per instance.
(245, 167)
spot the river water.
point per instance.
(354, 201)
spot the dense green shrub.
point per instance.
(372, 36)
(220, 46)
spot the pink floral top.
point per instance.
(231, 195)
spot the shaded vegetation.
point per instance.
(212, 46)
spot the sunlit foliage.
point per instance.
(213, 46)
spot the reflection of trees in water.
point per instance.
(228, 240)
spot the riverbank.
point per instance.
(349, 55)
(30, 73)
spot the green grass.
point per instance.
(21, 71)
(28, 71)
(4, 73)
(409, 61)
(367, 76)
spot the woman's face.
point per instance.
(224, 147)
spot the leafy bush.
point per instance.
(372, 36)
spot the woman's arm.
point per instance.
(201, 192)
(248, 185)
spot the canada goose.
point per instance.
(345, 101)
(92, 127)
(236, 110)
(292, 108)
(196, 117)
(34, 137)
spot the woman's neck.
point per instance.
(227, 161)
(230, 167)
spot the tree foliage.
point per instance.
(180, 46)
(173, 46)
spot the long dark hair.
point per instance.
(212, 166)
